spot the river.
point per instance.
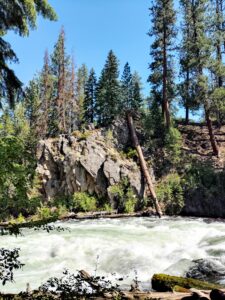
(147, 245)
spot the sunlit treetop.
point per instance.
(21, 15)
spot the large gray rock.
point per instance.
(90, 164)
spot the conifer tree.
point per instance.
(72, 109)
(163, 31)
(32, 101)
(60, 67)
(109, 91)
(186, 59)
(217, 68)
(137, 99)
(82, 78)
(90, 98)
(127, 87)
(19, 16)
(201, 49)
(46, 96)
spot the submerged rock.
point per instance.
(207, 269)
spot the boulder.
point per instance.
(71, 164)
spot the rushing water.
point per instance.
(147, 245)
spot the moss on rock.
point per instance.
(164, 283)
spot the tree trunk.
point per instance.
(213, 142)
(143, 164)
(218, 42)
(187, 97)
(186, 115)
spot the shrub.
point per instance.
(173, 143)
(83, 202)
(124, 196)
(63, 201)
(44, 212)
(20, 219)
(170, 192)
(109, 139)
(107, 207)
(129, 153)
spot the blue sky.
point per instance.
(93, 27)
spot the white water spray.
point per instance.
(124, 246)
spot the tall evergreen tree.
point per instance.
(72, 108)
(163, 31)
(109, 91)
(127, 87)
(46, 96)
(201, 49)
(90, 98)
(60, 69)
(82, 78)
(217, 68)
(32, 101)
(19, 16)
(186, 88)
(137, 99)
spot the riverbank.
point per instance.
(30, 223)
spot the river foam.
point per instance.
(145, 245)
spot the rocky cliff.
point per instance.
(87, 162)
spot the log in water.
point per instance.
(124, 246)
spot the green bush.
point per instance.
(170, 192)
(44, 212)
(173, 144)
(124, 196)
(202, 176)
(83, 202)
(65, 201)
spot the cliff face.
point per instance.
(87, 162)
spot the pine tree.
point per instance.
(186, 59)
(19, 16)
(217, 68)
(32, 101)
(82, 78)
(163, 31)
(72, 109)
(109, 91)
(201, 49)
(90, 98)
(60, 69)
(127, 87)
(137, 99)
(46, 96)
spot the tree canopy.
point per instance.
(18, 16)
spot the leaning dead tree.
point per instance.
(143, 163)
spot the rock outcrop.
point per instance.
(86, 162)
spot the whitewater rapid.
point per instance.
(124, 246)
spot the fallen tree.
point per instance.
(143, 163)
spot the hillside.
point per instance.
(197, 143)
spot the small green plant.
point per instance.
(109, 139)
(44, 212)
(20, 219)
(170, 192)
(130, 153)
(124, 196)
(83, 202)
(107, 207)
(81, 135)
(62, 211)
(173, 144)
